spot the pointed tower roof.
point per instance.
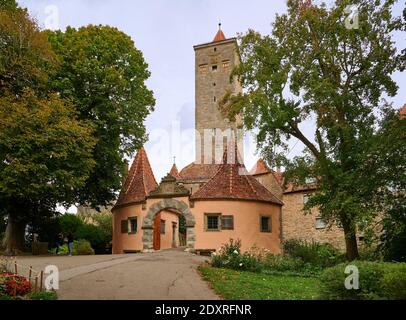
(232, 181)
(140, 181)
(174, 172)
(402, 112)
(259, 168)
(219, 35)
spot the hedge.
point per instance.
(377, 280)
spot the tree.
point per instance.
(312, 67)
(104, 75)
(46, 156)
(45, 150)
(384, 190)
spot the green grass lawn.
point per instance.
(237, 285)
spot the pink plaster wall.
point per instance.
(246, 224)
(166, 239)
(124, 241)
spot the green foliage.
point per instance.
(230, 257)
(314, 253)
(94, 235)
(8, 5)
(313, 68)
(278, 264)
(69, 223)
(42, 295)
(244, 285)
(376, 281)
(104, 75)
(80, 247)
(45, 150)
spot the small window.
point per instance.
(226, 64)
(266, 224)
(132, 225)
(215, 49)
(203, 68)
(162, 226)
(214, 68)
(214, 99)
(320, 223)
(212, 222)
(227, 222)
(305, 198)
(124, 226)
(214, 84)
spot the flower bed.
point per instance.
(14, 285)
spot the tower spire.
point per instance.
(219, 35)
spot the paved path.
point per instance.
(167, 274)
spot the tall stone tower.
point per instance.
(214, 62)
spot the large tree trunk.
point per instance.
(14, 236)
(351, 245)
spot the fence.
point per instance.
(15, 270)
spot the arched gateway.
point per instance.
(154, 209)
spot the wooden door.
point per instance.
(157, 232)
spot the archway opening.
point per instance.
(150, 222)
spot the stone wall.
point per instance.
(213, 65)
(297, 225)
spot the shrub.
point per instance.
(277, 264)
(313, 253)
(376, 281)
(94, 235)
(230, 257)
(82, 247)
(69, 223)
(394, 281)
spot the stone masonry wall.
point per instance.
(210, 86)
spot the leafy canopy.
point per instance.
(312, 68)
(104, 75)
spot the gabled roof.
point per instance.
(174, 172)
(139, 182)
(232, 181)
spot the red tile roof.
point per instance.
(232, 181)
(402, 112)
(174, 172)
(259, 168)
(198, 172)
(139, 182)
(219, 36)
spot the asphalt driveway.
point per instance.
(167, 274)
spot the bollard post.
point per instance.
(41, 280)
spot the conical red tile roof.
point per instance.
(232, 181)
(139, 182)
(174, 172)
(219, 36)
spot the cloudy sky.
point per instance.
(165, 31)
